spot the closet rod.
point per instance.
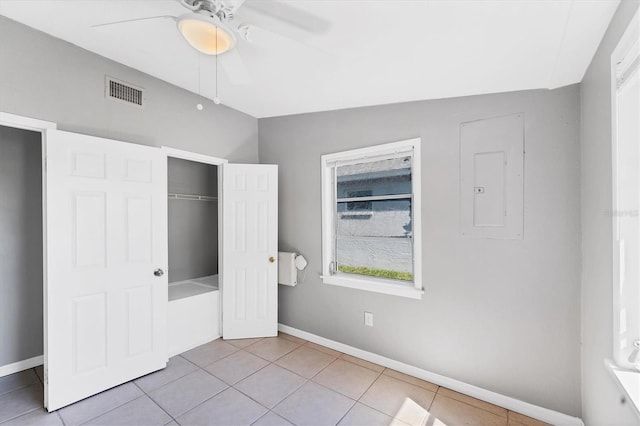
(192, 197)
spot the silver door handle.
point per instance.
(158, 272)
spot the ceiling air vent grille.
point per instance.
(124, 92)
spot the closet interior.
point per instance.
(194, 302)
(21, 246)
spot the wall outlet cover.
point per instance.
(368, 319)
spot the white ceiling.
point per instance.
(374, 52)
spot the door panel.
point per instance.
(250, 251)
(106, 233)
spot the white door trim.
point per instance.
(27, 123)
(193, 156)
(36, 125)
(215, 161)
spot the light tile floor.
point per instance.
(267, 382)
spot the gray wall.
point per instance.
(47, 78)
(20, 245)
(193, 225)
(601, 397)
(500, 314)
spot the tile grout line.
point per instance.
(108, 411)
(138, 387)
(306, 380)
(183, 376)
(277, 403)
(357, 401)
(20, 415)
(360, 365)
(470, 405)
(165, 384)
(367, 390)
(227, 388)
(37, 375)
(310, 378)
(299, 344)
(283, 355)
(219, 359)
(24, 413)
(153, 400)
(434, 398)
(42, 382)
(24, 386)
(404, 381)
(199, 404)
(246, 377)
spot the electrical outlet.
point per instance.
(368, 319)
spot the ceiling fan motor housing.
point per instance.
(214, 7)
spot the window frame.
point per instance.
(625, 376)
(624, 51)
(413, 290)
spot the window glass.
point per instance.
(382, 177)
(373, 226)
(356, 206)
(626, 215)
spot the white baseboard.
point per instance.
(26, 364)
(534, 411)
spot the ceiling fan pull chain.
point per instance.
(216, 99)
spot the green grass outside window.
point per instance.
(381, 273)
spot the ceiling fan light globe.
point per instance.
(205, 34)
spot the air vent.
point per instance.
(123, 92)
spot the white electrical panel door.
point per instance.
(249, 251)
(492, 177)
(106, 249)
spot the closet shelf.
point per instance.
(192, 197)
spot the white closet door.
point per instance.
(249, 251)
(106, 248)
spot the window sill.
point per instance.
(375, 285)
(628, 381)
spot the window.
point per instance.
(371, 217)
(625, 211)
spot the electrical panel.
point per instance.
(492, 177)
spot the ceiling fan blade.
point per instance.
(234, 67)
(133, 20)
(266, 40)
(290, 15)
(235, 4)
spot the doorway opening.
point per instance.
(22, 262)
(194, 223)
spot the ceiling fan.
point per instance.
(213, 27)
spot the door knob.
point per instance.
(158, 272)
(272, 259)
